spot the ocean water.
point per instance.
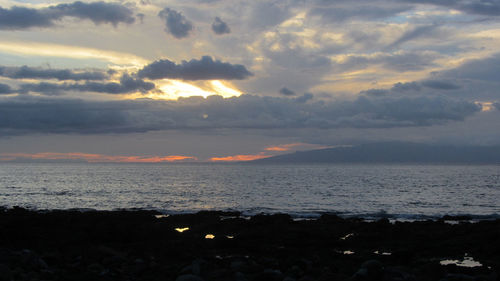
(370, 191)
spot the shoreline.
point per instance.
(146, 245)
(309, 215)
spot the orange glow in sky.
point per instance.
(236, 158)
(283, 147)
(94, 158)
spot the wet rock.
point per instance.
(369, 270)
(269, 275)
(307, 278)
(458, 277)
(295, 272)
(398, 274)
(189, 277)
(95, 268)
(5, 273)
(238, 276)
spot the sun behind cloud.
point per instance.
(170, 89)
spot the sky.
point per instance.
(230, 80)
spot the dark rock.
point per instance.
(5, 273)
(269, 275)
(188, 277)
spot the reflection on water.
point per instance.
(181, 229)
(466, 262)
(347, 236)
(382, 253)
(161, 216)
(209, 236)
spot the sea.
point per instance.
(370, 191)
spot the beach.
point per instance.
(148, 245)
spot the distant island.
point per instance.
(393, 152)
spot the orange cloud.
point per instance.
(235, 158)
(94, 158)
(283, 147)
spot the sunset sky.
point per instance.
(223, 80)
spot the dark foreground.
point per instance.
(135, 245)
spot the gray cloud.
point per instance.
(26, 114)
(304, 98)
(59, 74)
(440, 85)
(98, 12)
(403, 62)
(479, 7)
(127, 84)
(417, 32)
(286, 92)
(220, 27)
(204, 69)
(485, 69)
(5, 89)
(176, 24)
(331, 11)
(434, 84)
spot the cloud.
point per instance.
(478, 7)
(484, 69)
(176, 23)
(219, 27)
(415, 33)
(333, 12)
(286, 92)
(239, 158)
(24, 72)
(204, 69)
(93, 158)
(304, 98)
(32, 48)
(440, 85)
(5, 89)
(27, 114)
(17, 18)
(127, 84)
(401, 61)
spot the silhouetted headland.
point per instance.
(146, 245)
(393, 152)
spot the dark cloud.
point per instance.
(98, 12)
(331, 11)
(401, 61)
(176, 23)
(440, 85)
(287, 92)
(220, 27)
(204, 69)
(478, 7)
(304, 98)
(408, 86)
(5, 89)
(127, 84)
(415, 33)
(266, 14)
(434, 84)
(26, 114)
(485, 69)
(59, 74)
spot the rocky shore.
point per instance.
(219, 246)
